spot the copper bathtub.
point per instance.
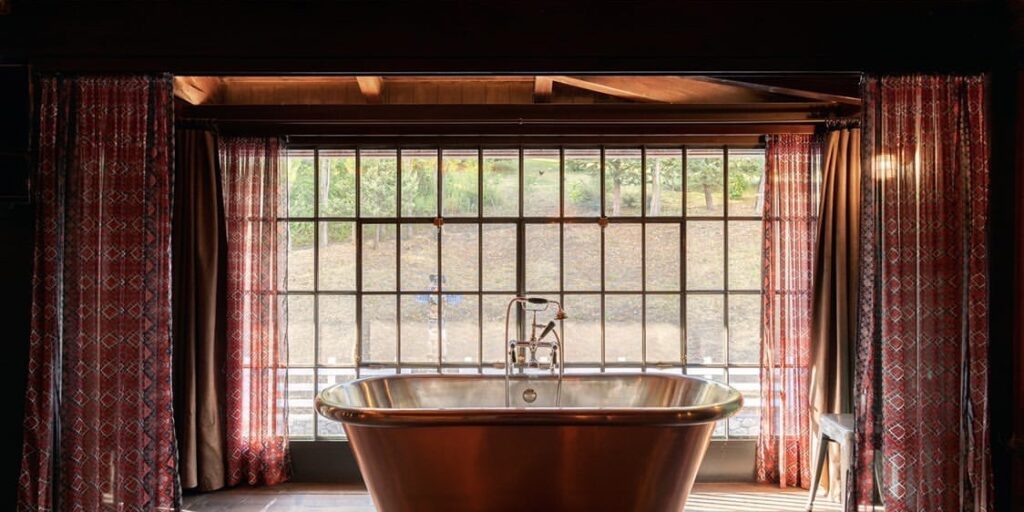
(615, 442)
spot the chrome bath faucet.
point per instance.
(522, 354)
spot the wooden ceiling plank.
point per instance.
(669, 89)
(788, 91)
(372, 87)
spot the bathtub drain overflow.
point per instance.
(529, 395)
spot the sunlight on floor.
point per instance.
(298, 497)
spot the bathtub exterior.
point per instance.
(447, 443)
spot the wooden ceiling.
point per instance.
(509, 90)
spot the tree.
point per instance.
(746, 177)
(662, 171)
(621, 171)
(378, 189)
(704, 174)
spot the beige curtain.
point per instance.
(199, 311)
(836, 274)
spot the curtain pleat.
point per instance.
(257, 423)
(200, 267)
(783, 445)
(99, 431)
(836, 278)
(922, 361)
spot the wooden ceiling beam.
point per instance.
(372, 87)
(549, 114)
(542, 87)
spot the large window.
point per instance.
(402, 260)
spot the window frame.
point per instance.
(362, 369)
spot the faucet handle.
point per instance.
(547, 329)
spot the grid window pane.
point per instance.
(419, 183)
(746, 173)
(747, 422)
(379, 252)
(583, 328)
(420, 328)
(460, 245)
(461, 326)
(301, 185)
(716, 375)
(300, 402)
(542, 244)
(662, 259)
(337, 183)
(582, 257)
(379, 329)
(419, 257)
(422, 315)
(622, 187)
(663, 329)
(745, 243)
(501, 183)
(461, 191)
(337, 258)
(494, 340)
(744, 328)
(623, 339)
(300, 256)
(623, 257)
(705, 174)
(378, 186)
(705, 329)
(664, 177)
(705, 255)
(337, 317)
(540, 183)
(301, 332)
(325, 378)
(499, 255)
(582, 182)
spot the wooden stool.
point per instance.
(836, 428)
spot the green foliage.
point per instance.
(579, 193)
(704, 172)
(419, 186)
(496, 178)
(378, 187)
(300, 187)
(744, 174)
(339, 179)
(460, 185)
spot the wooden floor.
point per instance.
(299, 497)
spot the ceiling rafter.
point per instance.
(198, 90)
(788, 91)
(372, 88)
(668, 89)
(542, 88)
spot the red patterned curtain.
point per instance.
(257, 423)
(783, 446)
(922, 373)
(99, 432)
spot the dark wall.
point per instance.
(401, 36)
(16, 229)
(449, 36)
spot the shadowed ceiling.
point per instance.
(513, 90)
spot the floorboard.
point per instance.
(317, 497)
